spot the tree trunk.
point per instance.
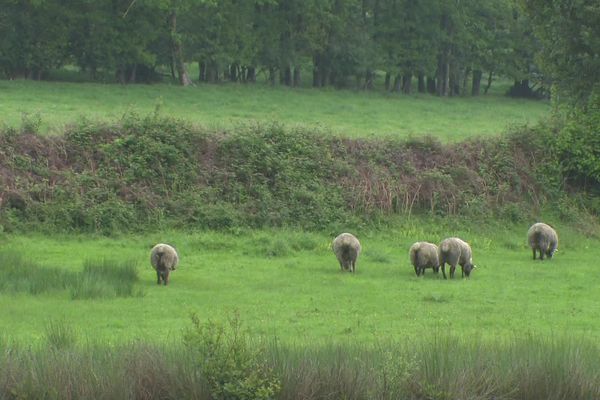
(431, 87)
(489, 82)
(121, 75)
(443, 79)
(421, 85)
(476, 85)
(397, 83)
(297, 77)
(172, 65)
(368, 80)
(233, 72)
(316, 72)
(212, 72)
(388, 79)
(177, 50)
(464, 81)
(251, 74)
(272, 76)
(201, 71)
(287, 75)
(407, 83)
(133, 73)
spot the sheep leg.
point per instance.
(534, 254)
(166, 277)
(452, 269)
(352, 266)
(541, 254)
(158, 276)
(444, 270)
(417, 270)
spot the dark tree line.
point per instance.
(446, 47)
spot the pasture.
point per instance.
(51, 105)
(287, 285)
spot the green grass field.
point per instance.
(288, 285)
(344, 112)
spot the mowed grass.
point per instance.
(342, 112)
(288, 285)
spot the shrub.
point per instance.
(233, 368)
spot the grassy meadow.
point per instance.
(82, 315)
(287, 285)
(343, 112)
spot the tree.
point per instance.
(569, 32)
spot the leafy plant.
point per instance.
(232, 367)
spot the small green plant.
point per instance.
(233, 368)
(396, 374)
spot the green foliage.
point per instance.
(569, 32)
(344, 42)
(578, 146)
(148, 172)
(230, 363)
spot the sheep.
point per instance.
(164, 259)
(543, 238)
(346, 248)
(456, 251)
(424, 255)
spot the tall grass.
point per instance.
(105, 279)
(99, 278)
(22, 275)
(447, 368)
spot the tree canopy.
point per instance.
(448, 47)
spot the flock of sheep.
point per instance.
(453, 251)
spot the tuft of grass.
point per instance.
(22, 275)
(436, 298)
(105, 279)
(59, 335)
(98, 279)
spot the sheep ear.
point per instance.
(474, 266)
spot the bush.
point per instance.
(148, 172)
(232, 367)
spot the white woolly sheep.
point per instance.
(543, 238)
(424, 255)
(164, 259)
(346, 248)
(456, 251)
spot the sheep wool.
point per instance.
(346, 248)
(543, 239)
(164, 259)
(456, 251)
(424, 255)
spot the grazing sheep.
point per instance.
(456, 251)
(164, 259)
(542, 238)
(424, 255)
(346, 248)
